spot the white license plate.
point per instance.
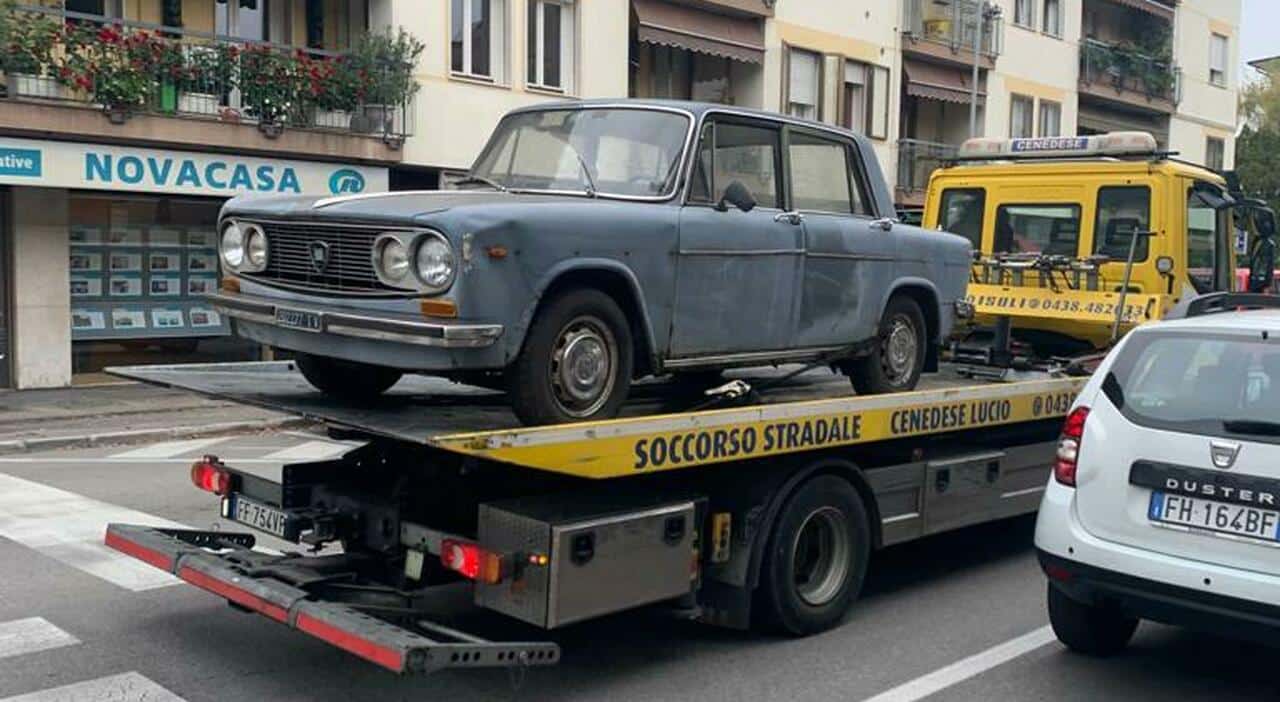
(259, 516)
(1214, 516)
(298, 319)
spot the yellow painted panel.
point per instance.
(197, 15)
(1070, 305)
(823, 42)
(1040, 90)
(1223, 28)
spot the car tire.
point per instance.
(346, 380)
(576, 363)
(815, 560)
(1089, 629)
(898, 356)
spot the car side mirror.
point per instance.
(739, 196)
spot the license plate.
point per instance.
(298, 319)
(257, 515)
(1219, 517)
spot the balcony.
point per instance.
(945, 29)
(181, 87)
(917, 159)
(1119, 73)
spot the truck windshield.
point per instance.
(598, 151)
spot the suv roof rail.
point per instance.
(1213, 303)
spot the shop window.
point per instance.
(1050, 119)
(1215, 153)
(820, 175)
(1122, 212)
(962, 213)
(478, 39)
(1049, 229)
(139, 270)
(804, 84)
(1021, 108)
(550, 43)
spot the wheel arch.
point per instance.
(925, 294)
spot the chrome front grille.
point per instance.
(350, 260)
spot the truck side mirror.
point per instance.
(738, 195)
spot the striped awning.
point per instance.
(732, 36)
(936, 82)
(1154, 7)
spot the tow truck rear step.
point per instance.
(223, 564)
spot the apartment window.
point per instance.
(1218, 60)
(241, 20)
(856, 97)
(1021, 109)
(477, 40)
(107, 8)
(804, 85)
(1053, 17)
(1024, 13)
(550, 44)
(1050, 119)
(1215, 153)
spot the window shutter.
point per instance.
(804, 73)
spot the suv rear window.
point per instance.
(1204, 384)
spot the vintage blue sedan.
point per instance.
(594, 243)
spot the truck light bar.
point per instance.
(1110, 144)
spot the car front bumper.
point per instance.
(359, 324)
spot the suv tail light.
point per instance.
(210, 475)
(1064, 468)
(471, 561)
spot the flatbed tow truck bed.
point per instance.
(712, 508)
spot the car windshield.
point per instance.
(1205, 384)
(597, 151)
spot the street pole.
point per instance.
(978, 12)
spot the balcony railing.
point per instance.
(953, 24)
(917, 159)
(1126, 70)
(127, 68)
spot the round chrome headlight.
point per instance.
(256, 249)
(232, 246)
(393, 260)
(435, 264)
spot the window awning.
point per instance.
(934, 82)
(1153, 7)
(693, 29)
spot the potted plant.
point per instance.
(117, 68)
(383, 66)
(28, 42)
(329, 87)
(268, 87)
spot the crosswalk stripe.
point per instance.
(31, 635)
(69, 528)
(127, 687)
(309, 451)
(967, 668)
(169, 449)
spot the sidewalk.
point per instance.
(121, 413)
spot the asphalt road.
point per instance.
(957, 617)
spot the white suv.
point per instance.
(1164, 502)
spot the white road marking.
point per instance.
(31, 635)
(169, 449)
(309, 451)
(37, 460)
(69, 528)
(962, 670)
(128, 687)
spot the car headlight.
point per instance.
(255, 249)
(435, 264)
(232, 246)
(393, 260)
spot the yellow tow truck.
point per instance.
(1078, 239)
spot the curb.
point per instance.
(144, 435)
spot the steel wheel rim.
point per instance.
(820, 560)
(898, 349)
(583, 366)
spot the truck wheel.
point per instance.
(1089, 629)
(576, 362)
(346, 380)
(816, 558)
(898, 357)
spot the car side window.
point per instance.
(820, 174)
(730, 151)
(1048, 229)
(962, 211)
(1122, 210)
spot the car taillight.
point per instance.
(1064, 468)
(471, 561)
(210, 475)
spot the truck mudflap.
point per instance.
(224, 564)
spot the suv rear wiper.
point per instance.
(482, 180)
(1251, 426)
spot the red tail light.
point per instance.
(1064, 468)
(471, 561)
(210, 475)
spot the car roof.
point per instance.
(1244, 320)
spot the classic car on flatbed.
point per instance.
(593, 243)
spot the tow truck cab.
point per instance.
(1055, 221)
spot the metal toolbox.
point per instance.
(603, 556)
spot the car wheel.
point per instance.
(576, 363)
(897, 358)
(1089, 629)
(346, 380)
(816, 559)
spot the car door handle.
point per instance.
(789, 217)
(884, 223)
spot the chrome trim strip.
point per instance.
(748, 252)
(900, 518)
(849, 257)
(761, 356)
(1022, 493)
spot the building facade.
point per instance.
(108, 214)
